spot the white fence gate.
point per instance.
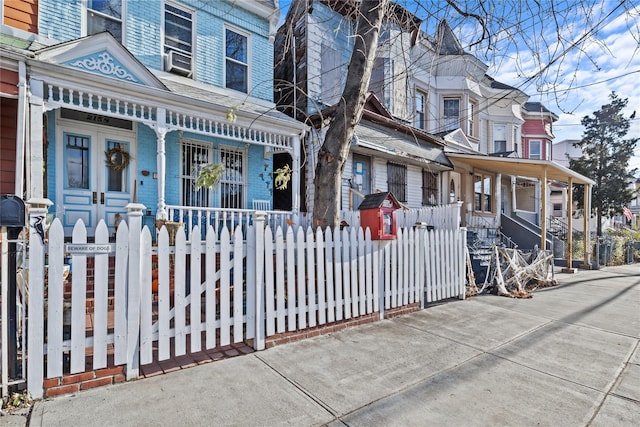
(227, 287)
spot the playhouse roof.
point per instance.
(375, 200)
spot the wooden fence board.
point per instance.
(180, 322)
(238, 286)
(55, 320)
(269, 292)
(146, 299)
(321, 290)
(210, 288)
(78, 301)
(225, 291)
(121, 283)
(164, 332)
(195, 296)
(281, 296)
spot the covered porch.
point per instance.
(111, 132)
(483, 182)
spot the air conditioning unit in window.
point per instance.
(178, 63)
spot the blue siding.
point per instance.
(51, 15)
(146, 160)
(259, 179)
(143, 29)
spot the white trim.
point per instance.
(193, 34)
(539, 151)
(123, 19)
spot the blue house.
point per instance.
(126, 101)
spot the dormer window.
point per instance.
(105, 15)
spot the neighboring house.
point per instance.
(429, 84)
(387, 152)
(537, 131)
(564, 150)
(498, 142)
(126, 100)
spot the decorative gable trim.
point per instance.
(105, 64)
(100, 54)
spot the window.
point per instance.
(397, 180)
(429, 188)
(78, 166)
(483, 193)
(451, 113)
(472, 111)
(499, 138)
(330, 74)
(421, 99)
(236, 58)
(117, 178)
(194, 156)
(232, 184)
(534, 150)
(105, 15)
(178, 39)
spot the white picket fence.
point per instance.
(228, 287)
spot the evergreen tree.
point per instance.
(605, 159)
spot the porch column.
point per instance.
(514, 201)
(21, 128)
(498, 196)
(295, 175)
(569, 198)
(586, 225)
(36, 103)
(161, 132)
(543, 210)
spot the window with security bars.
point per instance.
(193, 157)
(397, 180)
(429, 188)
(232, 185)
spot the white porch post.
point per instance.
(161, 132)
(35, 336)
(295, 175)
(514, 201)
(21, 128)
(569, 205)
(36, 102)
(587, 228)
(498, 199)
(543, 210)
(134, 215)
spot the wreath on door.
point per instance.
(117, 158)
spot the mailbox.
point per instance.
(12, 211)
(378, 212)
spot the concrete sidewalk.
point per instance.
(569, 356)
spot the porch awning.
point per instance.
(520, 167)
(396, 146)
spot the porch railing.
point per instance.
(229, 218)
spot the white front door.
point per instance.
(89, 186)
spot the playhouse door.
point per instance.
(96, 179)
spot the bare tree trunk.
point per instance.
(335, 149)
